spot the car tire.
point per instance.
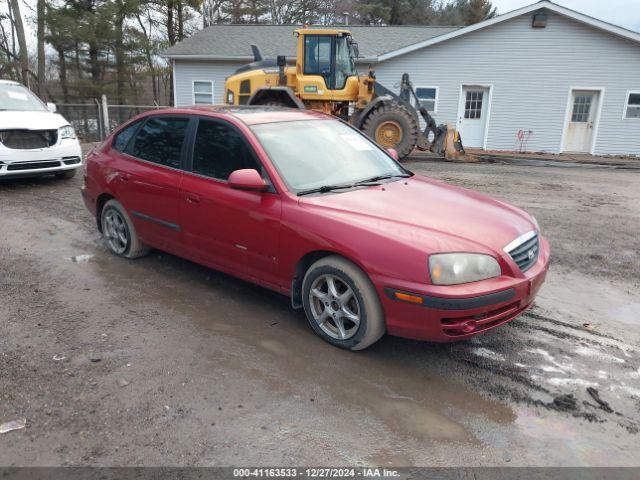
(119, 232)
(67, 174)
(329, 307)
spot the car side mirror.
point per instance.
(393, 153)
(52, 107)
(247, 179)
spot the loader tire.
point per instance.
(392, 126)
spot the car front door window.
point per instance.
(219, 149)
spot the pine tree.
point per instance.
(466, 12)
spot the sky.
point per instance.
(625, 13)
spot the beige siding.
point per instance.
(531, 71)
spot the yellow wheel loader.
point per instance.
(324, 78)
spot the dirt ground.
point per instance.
(163, 362)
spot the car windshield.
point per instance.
(17, 97)
(312, 154)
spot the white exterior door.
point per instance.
(578, 133)
(472, 116)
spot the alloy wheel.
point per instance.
(115, 231)
(334, 306)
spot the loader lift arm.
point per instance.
(440, 139)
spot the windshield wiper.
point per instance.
(382, 177)
(330, 188)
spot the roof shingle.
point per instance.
(228, 41)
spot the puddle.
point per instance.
(628, 313)
(569, 444)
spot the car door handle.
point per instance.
(192, 198)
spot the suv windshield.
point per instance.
(311, 154)
(17, 97)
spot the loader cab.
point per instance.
(330, 54)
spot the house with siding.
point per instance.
(540, 78)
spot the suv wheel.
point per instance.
(341, 304)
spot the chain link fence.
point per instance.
(92, 123)
(85, 118)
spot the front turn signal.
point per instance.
(408, 298)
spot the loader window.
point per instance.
(317, 56)
(345, 65)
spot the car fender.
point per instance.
(315, 231)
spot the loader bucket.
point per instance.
(447, 142)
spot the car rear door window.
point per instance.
(160, 140)
(220, 149)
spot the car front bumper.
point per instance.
(64, 155)
(457, 312)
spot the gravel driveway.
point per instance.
(163, 362)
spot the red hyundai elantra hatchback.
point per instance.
(303, 204)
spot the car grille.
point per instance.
(32, 165)
(28, 139)
(463, 326)
(526, 254)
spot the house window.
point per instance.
(632, 105)
(202, 92)
(428, 97)
(473, 104)
(581, 108)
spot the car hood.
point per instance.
(31, 120)
(422, 210)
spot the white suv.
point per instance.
(33, 139)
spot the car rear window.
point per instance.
(160, 140)
(121, 140)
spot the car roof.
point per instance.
(252, 115)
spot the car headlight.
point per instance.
(67, 132)
(230, 97)
(456, 268)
